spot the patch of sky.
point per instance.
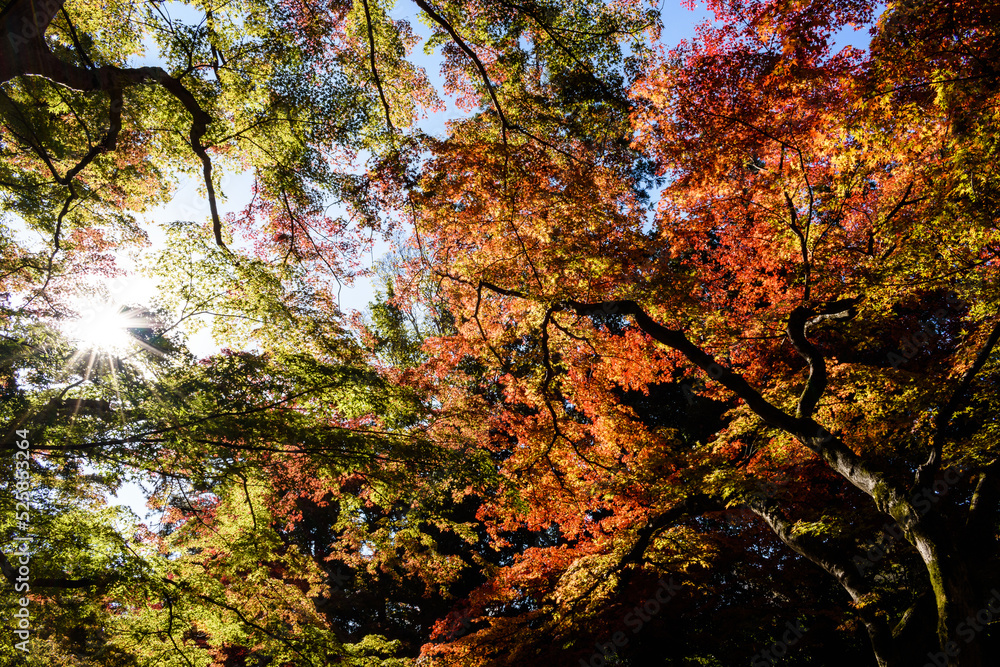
(189, 202)
(856, 36)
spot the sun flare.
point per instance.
(102, 327)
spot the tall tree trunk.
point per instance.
(955, 597)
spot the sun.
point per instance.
(103, 327)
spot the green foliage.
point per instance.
(704, 323)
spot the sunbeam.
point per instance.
(103, 327)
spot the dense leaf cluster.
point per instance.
(682, 354)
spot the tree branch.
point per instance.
(24, 55)
(983, 506)
(371, 58)
(847, 575)
(810, 548)
(926, 472)
(798, 323)
(693, 505)
(441, 21)
(888, 496)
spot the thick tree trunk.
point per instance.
(954, 594)
(22, 45)
(957, 600)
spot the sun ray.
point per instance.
(103, 327)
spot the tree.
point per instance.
(62, 546)
(814, 208)
(703, 322)
(92, 137)
(298, 93)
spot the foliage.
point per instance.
(679, 346)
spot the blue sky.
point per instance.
(189, 203)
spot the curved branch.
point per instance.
(847, 575)
(798, 323)
(371, 58)
(803, 244)
(22, 55)
(949, 578)
(890, 497)
(441, 21)
(692, 506)
(239, 614)
(926, 472)
(983, 506)
(76, 40)
(550, 31)
(811, 548)
(170, 629)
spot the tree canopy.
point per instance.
(682, 354)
